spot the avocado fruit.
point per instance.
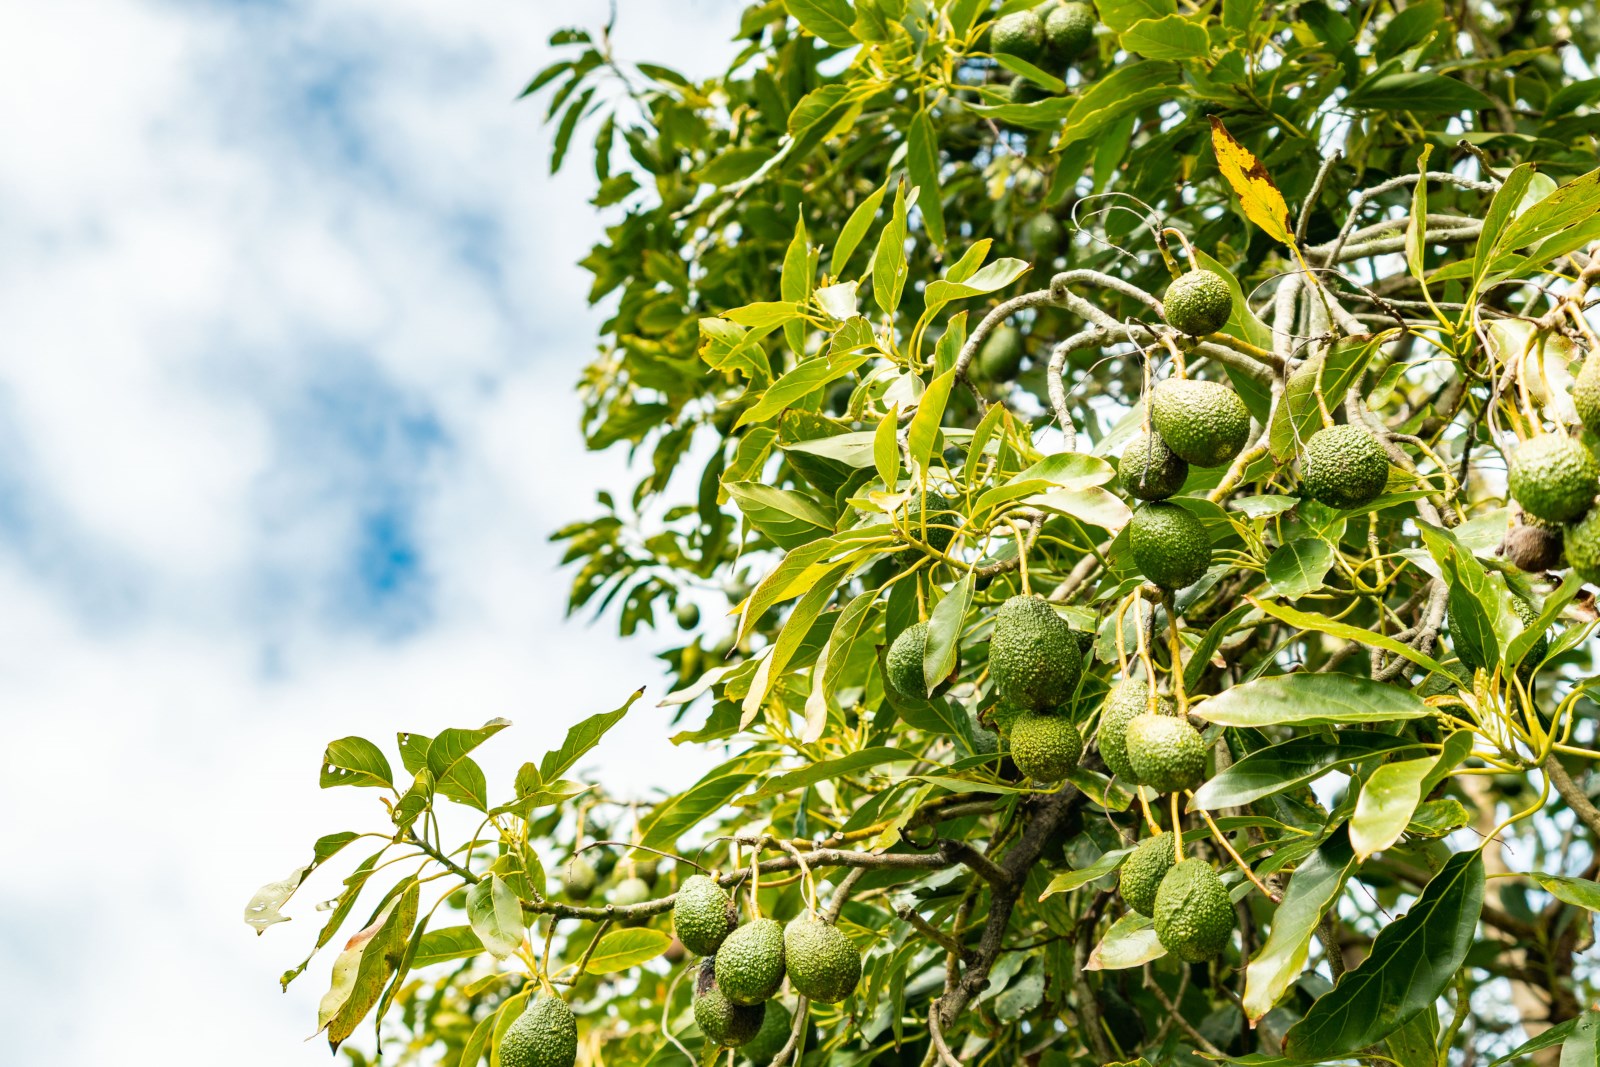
(1586, 394)
(1554, 477)
(1149, 470)
(1019, 34)
(1193, 915)
(903, 662)
(1344, 467)
(722, 1022)
(1204, 423)
(544, 1035)
(1033, 654)
(1000, 356)
(702, 914)
(1583, 547)
(1533, 547)
(822, 963)
(1042, 235)
(773, 1035)
(1198, 302)
(1170, 544)
(1068, 30)
(1045, 746)
(749, 967)
(1127, 701)
(938, 530)
(1166, 753)
(628, 892)
(580, 879)
(1140, 877)
(688, 615)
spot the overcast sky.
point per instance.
(289, 326)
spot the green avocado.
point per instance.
(1069, 31)
(1583, 547)
(687, 614)
(1344, 467)
(1586, 394)
(1041, 235)
(1169, 544)
(1142, 872)
(1554, 477)
(773, 1035)
(940, 528)
(628, 892)
(544, 1035)
(1166, 753)
(1126, 701)
(702, 914)
(903, 663)
(1045, 747)
(1193, 915)
(580, 879)
(1033, 654)
(1000, 357)
(1149, 470)
(1204, 423)
(1199, 302)
(823, 964)
(724, 1023)
(749, 966)
(1004, 716)
(1019, 34)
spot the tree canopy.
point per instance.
(1188, 427)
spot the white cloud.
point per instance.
(289, 306)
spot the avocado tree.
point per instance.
(1146, 456)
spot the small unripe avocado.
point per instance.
(1167, 754)
(1045, 747)
(773, 1035)
(1533, 549)
(1554, 477)
(647, 867)
(1019, 34)
(822, 964)
(580, 879)
(1169, 543)
(1204, 423)
(544, 1035)
(903, 663)
(749, 966)
(1586, 394)
(1193, 915)
(1033, 654)
(628, 892)
(702, 915)
(1344, 467)
(1127, 701)
(688, 614)
(1149, 470)
(1142, 872)
(1041, 235)
(721, 1021)
(1198, 303)
(1069, 30)
(1000, 358)
(938, 530)
(1583, 547)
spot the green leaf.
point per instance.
(363, 968)
(1579, 892)
(1120, 15)
(1290, 764)
(677, 815)
(854, 229)
(1569, 205)
(1316, 884)
(1093, 507)
(1122, 92)
(1550, 1039)
(1298, 416)
(1306, 620)
(924, 428)
(1300, 567)
(496, 916)
(1412, 961)
(413, 750)
(264, 908)
(852, 449)
(798, 384)
(945, 622)
(580, 739)
(341, 911)
(1417, 91)
(355, 761)
(1386, 804)
(1043, 79)
(922, 166)
(1130, 942)
(445, 944)
(795, 630)
(1507, 199)
(454, 775)
(1067, 881)
(886, 449)
(991, 278)
(1169, 37)
(619, 950)
(789, 518)
(827, 19)
(733, 165)
(1311, 698)
(867, 758)
(889, 267)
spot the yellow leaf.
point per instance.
(1263, 204)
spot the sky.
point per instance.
(289, 327)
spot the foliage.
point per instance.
(808, 253)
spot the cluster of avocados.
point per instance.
(745, 964)
(1051, 33)
(1554, 479)
(636, 879)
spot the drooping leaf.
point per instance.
(364, 967)
(1384, 808)
(1130, 942)
(945, 624)
(1262, 203)
(496, 916)
(355, 761)
(1314, 887)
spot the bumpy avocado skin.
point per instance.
(1033, 654)
(725, 1023)
(1169, 544)
(1583, 547)
(1149, 470)
(1166, 752)
(1142, 872)
(903, 663)
(823, 964)
(702, 915)
(750, 964)
(1198, 303)
(1204, 423)
(1019, 34)
(1005, 715)
(1045, 747)
(1127, 701)
(1344, 467)
(939, 526)
(1555, 478)
(1000, 358)
(544, 1035)
(773, 1035)
(1069, 30)
(1586, 394)
(1193, 916)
